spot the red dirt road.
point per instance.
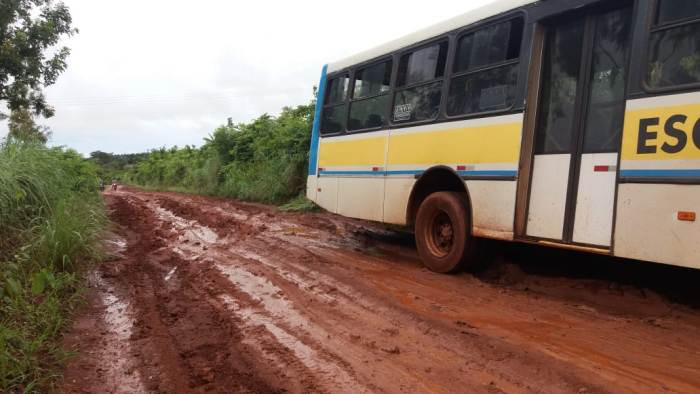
(210, 295)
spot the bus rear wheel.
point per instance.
(443, 232)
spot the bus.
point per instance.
(568, 123)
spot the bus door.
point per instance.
(578, 127)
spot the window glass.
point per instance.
(422, 65)
(674, 57)
(372, 80)
(491, 89)
(674, 10)
(606, 103)
(417, 103)
(334, 118)
(337, 90)
(484, 91)
(368, 113)
(562, 64)
(491, 45)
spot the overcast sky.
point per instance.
(151, 73)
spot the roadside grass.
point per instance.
(51, 220)
(300, 204)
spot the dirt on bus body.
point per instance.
(212, 295)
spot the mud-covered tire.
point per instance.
(443, 232)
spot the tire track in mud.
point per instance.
(236, 297)
(259, 304)
(255, 274)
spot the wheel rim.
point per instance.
(440, 235)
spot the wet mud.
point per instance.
(211, 295)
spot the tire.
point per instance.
(443, 233)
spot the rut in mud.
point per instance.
(210, 295)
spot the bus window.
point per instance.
(370, 97)
(485, 69)
(606, 101)
(676, 10)
(560, 83)
(674, 54)
(419, 84)
(335, 109)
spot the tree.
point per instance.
(23, 127)
(30, 30)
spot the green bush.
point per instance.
(51, 218)
(264, 160)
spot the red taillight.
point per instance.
(375, 169)
(461, 168)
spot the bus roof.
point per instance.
(487, 11)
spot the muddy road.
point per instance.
(210, 295)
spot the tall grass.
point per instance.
(51, 217)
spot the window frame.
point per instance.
(653, 28)
(518, 14)
(399, 54)
(351, 93)
(329, 78)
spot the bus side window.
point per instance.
(486, 69)
(370, 97)
(419, 84)
(334, 106)
(674, 52)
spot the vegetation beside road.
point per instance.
(51, 220)
(264, 161)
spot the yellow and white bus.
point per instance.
(569, 123)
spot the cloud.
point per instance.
(145, 74)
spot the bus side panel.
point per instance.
(396, 196)
(327, 193)
(648, 227)
(361, 198)
(660, 181)
(493, 206)
(356, 163)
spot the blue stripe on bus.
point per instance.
(494, 173)
(660, 173)
(315, 132)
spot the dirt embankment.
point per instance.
(209, 295)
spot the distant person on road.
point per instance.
(114, 184)
(102, 185)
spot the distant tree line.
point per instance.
(112, 165)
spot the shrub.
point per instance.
(264, 160)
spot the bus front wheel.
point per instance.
(443, 232)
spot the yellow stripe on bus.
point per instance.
(657, 120)
(474, 145)
(357, 152)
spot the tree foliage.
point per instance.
(23, 127)
(263, 160)
(30, 30)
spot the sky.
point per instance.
(150, 73)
